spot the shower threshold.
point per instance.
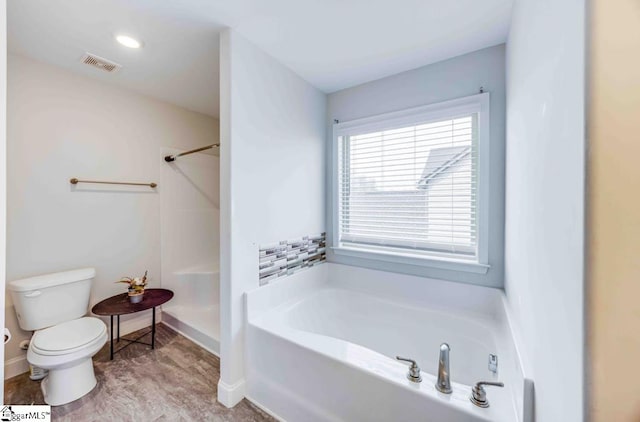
(200, 324)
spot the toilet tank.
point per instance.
(50, 299)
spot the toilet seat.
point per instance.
(68, 337)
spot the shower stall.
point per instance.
(190, 232)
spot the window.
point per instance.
(409, 184)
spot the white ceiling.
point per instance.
(333, 44)
(178, 63)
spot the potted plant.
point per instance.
(136, 287)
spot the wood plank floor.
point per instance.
(176, 381)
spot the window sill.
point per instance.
(401, 258)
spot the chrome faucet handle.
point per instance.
(479, 395)
(414, 370)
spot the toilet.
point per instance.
(65, 340)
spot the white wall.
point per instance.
(272, 179)
(60, 126)
(454, 78)
(544, 240)
(3, 155)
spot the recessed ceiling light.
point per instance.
(128, 41)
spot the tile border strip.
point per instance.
(286, 257)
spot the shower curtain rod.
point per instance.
(170, 158)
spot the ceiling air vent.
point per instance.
(100, 63)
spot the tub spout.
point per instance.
(444, 382)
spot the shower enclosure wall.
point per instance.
(190, 232)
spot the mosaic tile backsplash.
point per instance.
(288, 256)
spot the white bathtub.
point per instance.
(321, 346)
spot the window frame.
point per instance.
(480, 104)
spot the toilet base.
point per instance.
(65, 385)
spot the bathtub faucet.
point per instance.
(479, 395)
(414, 370)
(443, 384)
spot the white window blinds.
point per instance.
(412, 187)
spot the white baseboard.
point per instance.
(265, 409)
(230, 395)
(19, 365)
(15, 366)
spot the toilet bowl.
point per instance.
(66, 350)
(65, 340)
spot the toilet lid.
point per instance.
(68, 335)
